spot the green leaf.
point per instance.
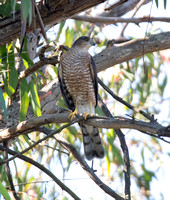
(2, 104)
(60, 30)
(99, 111)
(163, 85)
(69, 36)
(73, 130)
(24, 89)
(150, 56)
(30, 14)
(117, 155)
(108, 161)
(5, 9)
(34, 99)
(3, 53)
(25, 8)
(165, 4)
(13, 74)
(4, 192)
(9, 73)
(156, 1)
(20, 186)
(127, 75)
(24, 53)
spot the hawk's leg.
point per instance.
(90, 113)
(71, 116)
(94, 170)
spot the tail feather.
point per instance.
(92, 142)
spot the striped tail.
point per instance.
(92, 142)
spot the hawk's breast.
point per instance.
(77, 76)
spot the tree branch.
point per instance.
(52, 12)
(116, 123)
(41, 167)
(141, 2)
(9, 176)
(131, 49)
(115, 20)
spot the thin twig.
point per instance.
(41, 167)
(8, 173)
(40, 22)
(141, 2)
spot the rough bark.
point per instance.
(113, 55)
(122, 9)
(52, 13)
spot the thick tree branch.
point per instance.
(42, 168)
(52, 12)
(132, 49)
(122, 9)
(27, 126)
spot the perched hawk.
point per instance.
(78, 83)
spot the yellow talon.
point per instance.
(71, 116)
(85, 115)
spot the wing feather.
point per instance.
(65, 93)
(93, 72)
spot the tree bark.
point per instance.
(29, 125)
(113, 55)
(52, 13)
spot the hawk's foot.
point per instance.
(72, 115)
(86, 114)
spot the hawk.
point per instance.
(79, 87)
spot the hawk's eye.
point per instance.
(87, 39)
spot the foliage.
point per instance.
(136, 81)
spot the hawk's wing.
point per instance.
(93, 72)
(65, 93)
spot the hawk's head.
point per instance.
(83, 42)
